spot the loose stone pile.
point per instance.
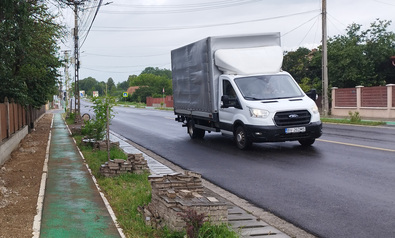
(102, 145)
(135, 163)
(177, 193)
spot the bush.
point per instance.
(194, 222)
(354, 117)
(217, 231)
(96, 128)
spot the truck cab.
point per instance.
(266, 108)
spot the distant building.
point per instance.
(131, 90)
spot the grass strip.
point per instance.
(348, 121)
(125, 193)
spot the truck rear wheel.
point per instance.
(241, 138)
(306, 142)
(195, 133)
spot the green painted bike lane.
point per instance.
(72, 206)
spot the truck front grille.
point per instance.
(292, 118)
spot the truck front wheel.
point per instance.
(306, 142)
(195, 133)
(242, 141)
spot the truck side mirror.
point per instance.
(229, 102)
(225, 101)
(312, 94)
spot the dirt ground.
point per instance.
(20, 179)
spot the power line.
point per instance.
(94, 17)
(127, 29)
(129, 56)
(337, 21)
(188, 5)
(316, 19)
(304, 23)
(164, 9)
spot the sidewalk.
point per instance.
(72, 205)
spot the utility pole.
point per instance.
(325, 103)
(66, 76)
(77, 61)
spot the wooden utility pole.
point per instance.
(325, 103)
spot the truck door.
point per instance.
(229, 105)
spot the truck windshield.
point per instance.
(265, 87)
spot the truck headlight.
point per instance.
(315, 109)
(259, 113)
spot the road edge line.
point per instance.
(40, 199)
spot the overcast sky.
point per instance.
(130, 35)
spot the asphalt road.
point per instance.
(342, 186)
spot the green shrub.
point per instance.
(96, 128)
(194, 222)
(354, 117)
(223, 230)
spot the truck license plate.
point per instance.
(295, 130)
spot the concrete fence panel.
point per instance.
(371, 102)
(346, 97)
(374, 96)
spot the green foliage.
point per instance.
(303, 65)
(152, 82)
(96, 128)
(157, 71)
(70, 119)
(354, 117)
(360, 57)
(110, 85)
(223, 230)
(28, 52)
(89, 85)
(125, 194)
(123, 86)
(307, 84)
(297, 62)
(194, 222)
(348, 121)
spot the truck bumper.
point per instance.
(278, 134)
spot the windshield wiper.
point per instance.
(253, 98)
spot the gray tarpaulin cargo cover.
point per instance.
(195, 76)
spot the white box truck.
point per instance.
(235, 85)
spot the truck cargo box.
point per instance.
(195, 75)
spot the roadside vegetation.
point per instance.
(127, 192)
(349, 121)
(131, 104)
(29, 34)
(354, 118)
